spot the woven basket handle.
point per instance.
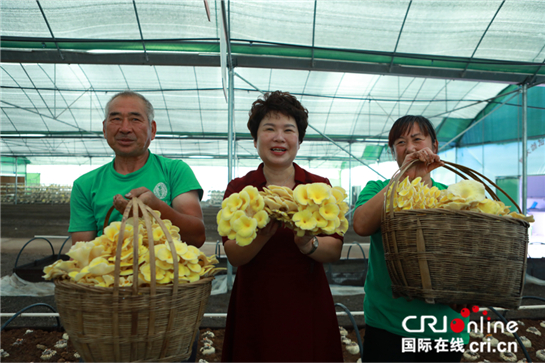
(138, 206)
(107, 219)
(450, 166)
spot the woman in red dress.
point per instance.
(281, 308)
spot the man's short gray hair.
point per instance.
(149, 107)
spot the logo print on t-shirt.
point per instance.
(160, 190)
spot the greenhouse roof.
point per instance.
(356, 65)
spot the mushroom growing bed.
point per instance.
(24, 346)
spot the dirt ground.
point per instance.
(25, 346)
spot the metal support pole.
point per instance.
(524, 147)
(16, 178)
(350, 181)
(231, 108)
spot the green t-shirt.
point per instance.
(382, 310)
(93, 193)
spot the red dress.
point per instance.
(281, 308)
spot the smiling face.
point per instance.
(277, 140)
(126, 127)
(413, 140)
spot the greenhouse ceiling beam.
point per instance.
(92, 135)
(140, 30)
(176, 156)
(482, 37)
(380, 66)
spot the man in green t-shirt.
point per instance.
(166, 185)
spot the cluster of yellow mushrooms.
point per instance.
(465, 195)
(93, 263)
(314, 209)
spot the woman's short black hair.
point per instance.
(403, 124)
(281, 102)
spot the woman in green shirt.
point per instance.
(387, 337)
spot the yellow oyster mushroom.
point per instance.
(126, 272)
(145, 270)
(94, 280)
(190, 255)
(108, 280)
(404, 184)
(67, 266)
(331, 226)
(245, 197)
(60, 268)
(489, 206)
(193, 277)
(320, 220)
(262, 218)
(305, 219)
(128, 242)
(238, 214)
(233, 203)
(244, 241)
(166, 279)
(244, 226)
(194, 249)
(179, 246)
(126, 253)
(73, 275)
(329, 211)
(416, 181)
(291, 206)
(455, 205)
(257, 204)
(252, 191)
(125, 281)
(311, 208)
(212, 259)
(300, 194)
(402, 202)
(183, 270)
(80, 252)
(163, 264)
(343, 227)
(529, 218)
(82, 273)
(52, 272)
(339, 193)
(158, 234)
(195, 267)
(224, 227)
(112, 231)
(344, 207)
(271, 203)
(162, 253)
(470, 190)
(408, 193)
(100, 266)
(318, 192)
(283, 192)
(299, 232)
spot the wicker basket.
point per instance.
(126, 324)
(455, 257)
